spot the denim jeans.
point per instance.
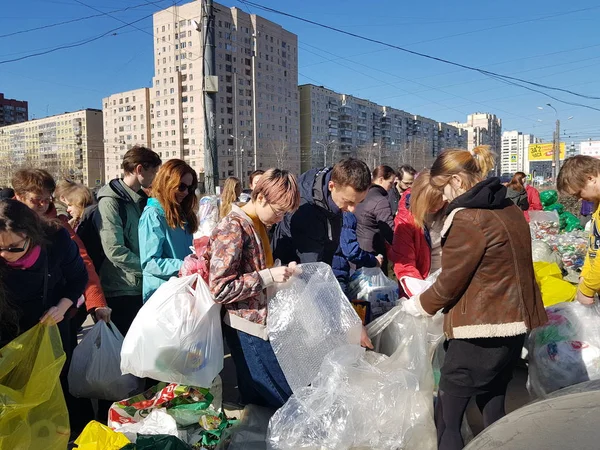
(260, 378)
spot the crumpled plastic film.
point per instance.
(208, 216)
(371, 284)
(308, 317)
(365, 399)
(566, 350)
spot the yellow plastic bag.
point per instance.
(33, 413)
(554, 288)
(96, 436)
(546, 269)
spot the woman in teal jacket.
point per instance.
(168, 224)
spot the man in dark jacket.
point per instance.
(406, 176)
(312, 233)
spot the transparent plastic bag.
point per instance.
(95, 370)
(566, 350)
(208, 216)
(33, 413)
(366, 399)
(308, 317)
(371, 285)
(176, 336)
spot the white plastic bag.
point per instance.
(95, 370)
(371, 285)
(309, 317)
(208, 216)
(566, 350)
(176, 336)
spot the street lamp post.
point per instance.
(325, 149)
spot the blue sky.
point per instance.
(548, 42)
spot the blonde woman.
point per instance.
(231, 192)
(77, 197)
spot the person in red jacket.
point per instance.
(416, 247)
(533, 195)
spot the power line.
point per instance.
(434, 58)
(66, 22)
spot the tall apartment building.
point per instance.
(334, 126)
(482, 129)
(514, 153)
(12, 111)
(126, 123)
(257, 101)
(67, 145)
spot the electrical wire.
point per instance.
(424, 55)
(66, 22)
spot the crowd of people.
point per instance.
(65, 253)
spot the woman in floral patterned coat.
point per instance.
(241, 270)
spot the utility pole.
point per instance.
(556, 164)
(210, 86)
(254, 99)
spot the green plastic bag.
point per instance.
(33, 413)
(568, 222)
(548, 197)
(558, 207)
(157, 442)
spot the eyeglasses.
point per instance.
(276, 213)
(184, 187)
(16, 249)
(40, 201)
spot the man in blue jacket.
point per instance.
(312, 233)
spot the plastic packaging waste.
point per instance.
(308, 317)
(371, 284)
(176, 336)
(96, 436)
(95, 370)
(566, 350)
(552, 286)
(543, 223)
(548, 197)
(32, 406)
(208, 216)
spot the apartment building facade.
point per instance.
(126, 123)
(12, 111)
(257, 112)
(335, 125)
(514, 153)
(67, 145)
(482, 129)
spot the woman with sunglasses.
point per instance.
(167, 224)
(241, 270)
(41, 269)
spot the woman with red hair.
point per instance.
(167, 224)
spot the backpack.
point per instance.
(89, 233)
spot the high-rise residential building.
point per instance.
(12, 111)
(335, 125)
(514, 153)
(68, 145)
(257, 112)
(589, 148)
(126, 123)
(482, 129)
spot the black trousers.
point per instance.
(124, 310)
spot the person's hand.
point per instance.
(410, 307)
(57, 313)
(379, 259)
(365, 341)
(283, 273)
(103, 313)
(584, 299)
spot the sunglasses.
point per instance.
(184, 187)
(16, 249)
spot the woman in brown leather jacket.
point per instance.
(486, 290)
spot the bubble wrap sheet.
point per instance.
(309, 317)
